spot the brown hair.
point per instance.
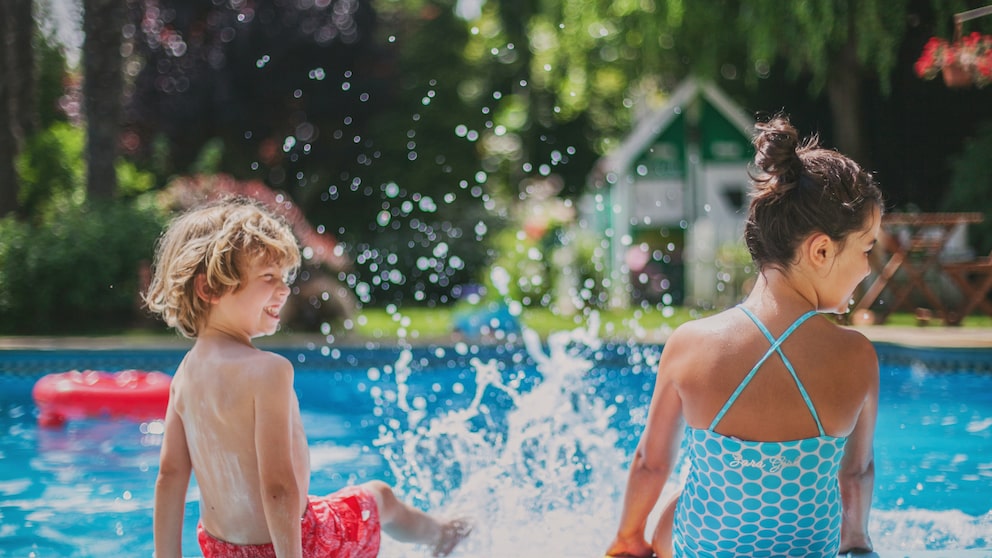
(218, 240)
(802, 188)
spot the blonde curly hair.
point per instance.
(218, 240)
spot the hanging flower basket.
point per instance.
(963, 63)
(955, 75)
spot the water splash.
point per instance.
(914, 529)
(530, 447)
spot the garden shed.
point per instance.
(671, 201)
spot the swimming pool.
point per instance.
(531, 440)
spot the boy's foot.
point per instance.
(452, 533)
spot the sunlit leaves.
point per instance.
(809, 36)
(590, 54)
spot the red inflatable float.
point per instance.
(92, 394)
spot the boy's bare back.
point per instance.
(226, 394)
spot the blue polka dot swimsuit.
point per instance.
(745, 498)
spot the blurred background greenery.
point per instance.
(420, 137)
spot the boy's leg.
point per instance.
(401, 521)
(408, 524)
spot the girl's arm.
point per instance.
(857, 471)
(170, 486)
(653, 458)
(274, 401)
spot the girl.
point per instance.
(779, 403)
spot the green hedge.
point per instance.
(77, 271)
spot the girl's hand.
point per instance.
(859, 543)
(630, 548)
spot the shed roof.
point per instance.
(648, 129)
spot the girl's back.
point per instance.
(765, 459)
(718, 352)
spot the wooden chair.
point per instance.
(974, 278)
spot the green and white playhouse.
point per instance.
(671, 202)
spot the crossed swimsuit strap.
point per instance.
(775, 348)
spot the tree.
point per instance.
(18, 108)
(103, 87)
(280, 86)
(594, 56)
(553, 124)
(353, 112)
(838, 43)
(418, 203)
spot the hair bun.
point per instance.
(776, 155)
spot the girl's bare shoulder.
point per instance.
(844, 340)
(857, 346)
(707, 326)
(704, 336)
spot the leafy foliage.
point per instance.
(602, 58)
(52, 167)
(971, 185)
(52, 76)
(78, 271)
(409, 131)
(414, 207)
(52, 170)
(356, 114)
(74, 266)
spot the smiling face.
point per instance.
(852, 264)
(252, 310)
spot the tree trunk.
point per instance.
(844, 94)
(9, 185)
(103, 87)
(8, 136)
(18, 98)
(26, 82)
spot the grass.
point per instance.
(431, 323)
(439, 322)
(422, 324)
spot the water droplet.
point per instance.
(427, 205)
(383, 218)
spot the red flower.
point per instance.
(971, 53)
(932, 59)
(984, 66)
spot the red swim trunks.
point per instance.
(344, 524)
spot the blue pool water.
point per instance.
(532, 441)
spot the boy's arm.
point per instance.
(170, 487)
(857, 471)
(274, 438)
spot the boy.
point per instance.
(233, 419)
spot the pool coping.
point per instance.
(935, 337)
(951, 553)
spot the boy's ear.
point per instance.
(201, 289)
